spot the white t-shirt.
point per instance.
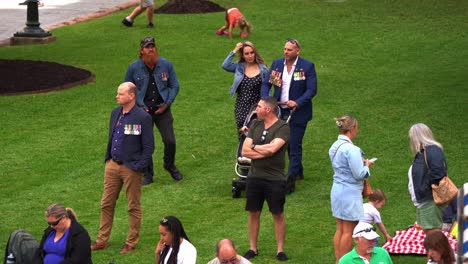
(187, 253)
(411, 188)
(242, 261)
(371, 214)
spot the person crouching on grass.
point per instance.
(234, 18)
(371, 212)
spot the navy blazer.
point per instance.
(301, 91)
(137, 150)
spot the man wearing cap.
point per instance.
(365, 252)
(157, 87)
(129, 150)
(295, 84)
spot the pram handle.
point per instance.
(290, 114)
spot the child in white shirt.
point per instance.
(371, 211)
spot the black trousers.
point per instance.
(164, 123)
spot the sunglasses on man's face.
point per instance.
(55, 222)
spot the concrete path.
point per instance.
(55, 13)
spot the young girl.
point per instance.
(174, 246)
(371, 211)
(234, 18)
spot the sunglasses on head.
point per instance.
(295, 42)
(55, 222)
(367, 230)
(148, 39)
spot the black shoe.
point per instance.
(150, 25)
(250, 254)
(147, 182)
(175, 173)
(281, 256)
(127, 23)
(300, 176)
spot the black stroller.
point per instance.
(242, 166)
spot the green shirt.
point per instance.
(379, 256)
(272, 167)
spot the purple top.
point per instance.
(55, 251)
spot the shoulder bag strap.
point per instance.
(336, 151)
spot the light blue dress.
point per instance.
(349, 174)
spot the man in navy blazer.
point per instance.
(129, 150)
(295, 84)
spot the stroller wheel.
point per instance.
(236, 193)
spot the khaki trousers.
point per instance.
(115, 176)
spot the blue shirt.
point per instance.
(55, 251)
(348, 164)
(239, 71)
(118, 136)
(164, 76)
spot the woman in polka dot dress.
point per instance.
(249, 72)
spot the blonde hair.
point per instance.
(345, 123)
(58, 210)
(420, 136)
(244, 24)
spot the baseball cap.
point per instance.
(147, 41)
(365, 230)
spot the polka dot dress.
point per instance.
(248, 93)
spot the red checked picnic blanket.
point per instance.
(410, 241)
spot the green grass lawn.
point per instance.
(389, 63)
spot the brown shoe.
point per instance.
(97, 246)
(126, 249)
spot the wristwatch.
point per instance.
(252, 146)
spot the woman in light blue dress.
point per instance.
(350, 170)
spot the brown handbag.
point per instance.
(367, 189)
(443, 192)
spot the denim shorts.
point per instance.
(146, 3)
(259, 190)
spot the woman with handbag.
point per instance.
(428, 168)
(350, 170)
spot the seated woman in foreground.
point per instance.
(174, 246)
(65, 240)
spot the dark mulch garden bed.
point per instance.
(25, 76)
(189, 7)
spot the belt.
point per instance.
(120, 162)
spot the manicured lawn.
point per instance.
(389, 63)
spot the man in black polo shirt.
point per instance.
(266, 145)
